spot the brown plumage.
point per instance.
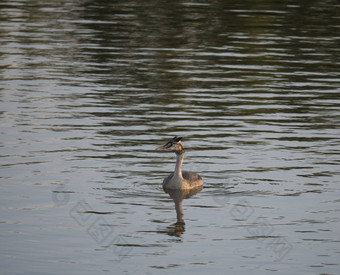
(179, 179)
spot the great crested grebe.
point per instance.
(179, 179)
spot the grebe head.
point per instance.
(173, 145)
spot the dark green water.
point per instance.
(88, 90)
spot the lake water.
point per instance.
(89, 89)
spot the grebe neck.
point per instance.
(179, 162)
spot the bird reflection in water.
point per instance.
(178, 195)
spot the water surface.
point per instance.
(90, 88)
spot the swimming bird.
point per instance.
(179, 179)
